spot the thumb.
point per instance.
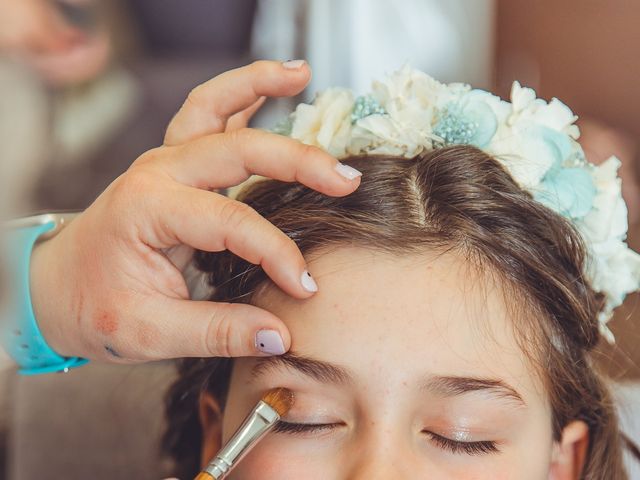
(212, 329)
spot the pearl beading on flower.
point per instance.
(364, 106)
(454, 129)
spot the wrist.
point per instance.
(47, 295)
(21, 334)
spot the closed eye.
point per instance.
(300, 428)
(454, 446)
(458, 447)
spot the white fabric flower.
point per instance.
(521, 97)
(409, 88)
(327, 122)
(519, 144)
(608, 217)
(381, 134)
(526, 155)
(614, 268)
(533, 139)
(409, 97)
(527, 108)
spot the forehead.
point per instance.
(397, 317)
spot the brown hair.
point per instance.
(455, 198)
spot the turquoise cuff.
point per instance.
(23, 340)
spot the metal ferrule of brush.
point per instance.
(254, 427)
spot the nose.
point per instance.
(381, 454)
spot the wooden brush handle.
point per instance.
(204, 476)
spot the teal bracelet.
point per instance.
(22, 337)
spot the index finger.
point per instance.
(209, 105)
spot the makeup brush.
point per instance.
(274, 404)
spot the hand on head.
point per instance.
(104, 288)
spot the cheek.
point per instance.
(268, 462)
(281, 460)
(272, 459)
(262, 465)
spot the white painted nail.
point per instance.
(270, 342)
(347, 172)
(293, 64)
(308, 283)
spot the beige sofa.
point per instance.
(98, 422)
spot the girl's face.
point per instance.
(401, 368)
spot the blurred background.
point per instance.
(86, 86)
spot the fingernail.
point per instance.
(347, 172)
(308, 283)
(293, 64)
(270, 342)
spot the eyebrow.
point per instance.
(326, 372)
(451, 386)
(321, 371)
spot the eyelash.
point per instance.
(454, 446)
(470, 448)
(299, 428)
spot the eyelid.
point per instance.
(300, 428)
(308, 412)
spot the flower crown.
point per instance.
(536, 141)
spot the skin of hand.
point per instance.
(104, 288)
(36, 32)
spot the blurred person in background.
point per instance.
(62, 39)
(49, 49)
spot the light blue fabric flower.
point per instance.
(364, 106)
(468, 121)
(558, 142)
(569, 191)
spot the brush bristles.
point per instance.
(204, 476)
(280, 399)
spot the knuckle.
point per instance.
(137, 187)
(284, 245)
(234, 214)
(195, 95)
(258, 66)
(233, 139)
(238, 139)
(304, 150)
(242, 145)
(150, 156)
(132, 183)
(220, 334)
